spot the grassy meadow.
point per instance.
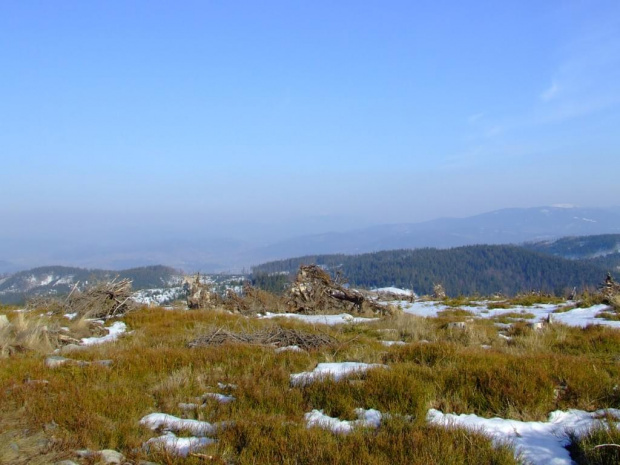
(49, 413)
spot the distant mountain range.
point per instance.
(551, 265)
(507, 226)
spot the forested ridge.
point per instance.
(481, 269)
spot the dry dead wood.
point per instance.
(102, 300)
(314, 291)
(273, 336)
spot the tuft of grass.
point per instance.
(460, 301)
(510, 317)
(611, 316)
(406, 327)
(26, 333)
(600, 446)
(589, 299)
(262, 440)
(533, 298)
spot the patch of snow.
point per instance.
(66, 280)
(579, 317)
(70, 316)
(330, 320)
(365, 419)
(428, 308)
(226, 386)
(221, 398)
(114, 332)
(289, 349)
(172, 423)
(538, 443)
(181, 447)
(47, 280)
(583, 317)
(157, 296)
(393, 343)
(394, 290)
(335, 371)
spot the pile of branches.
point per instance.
(253, 301)
(274, 336)
(101, 300)
(314, 291)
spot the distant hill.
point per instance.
(507, 226)
(483, 269)
(581, 247)
(59, 280)
(600, 250)
(201, 251)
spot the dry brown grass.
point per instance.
(153, 371)
(27, 333)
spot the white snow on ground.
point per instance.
(177, 446)
(539, 443)
(422, 308)
(221, 398)
(47, 279)
(335, 371)
(226, 386)
(114, 332)
(585, 316)
(172, 423)
(173, 444)
(65, 280)
(393, 343)
(70, 316)
(322, 319)
(365, 419)
(289, 349)
(157, 296)
(393, 290)
(580, 317)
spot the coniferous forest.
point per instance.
(483, 269)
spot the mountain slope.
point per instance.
(466, 270)
(600, 250)
(59, 280)
(581, 247)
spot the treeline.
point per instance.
(484, 269)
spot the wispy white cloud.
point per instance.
(550, 93)
(584, 83)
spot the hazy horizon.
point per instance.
(151, 122)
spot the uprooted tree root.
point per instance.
(274, 336)
(314, 291)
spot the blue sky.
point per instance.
(232, 118)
